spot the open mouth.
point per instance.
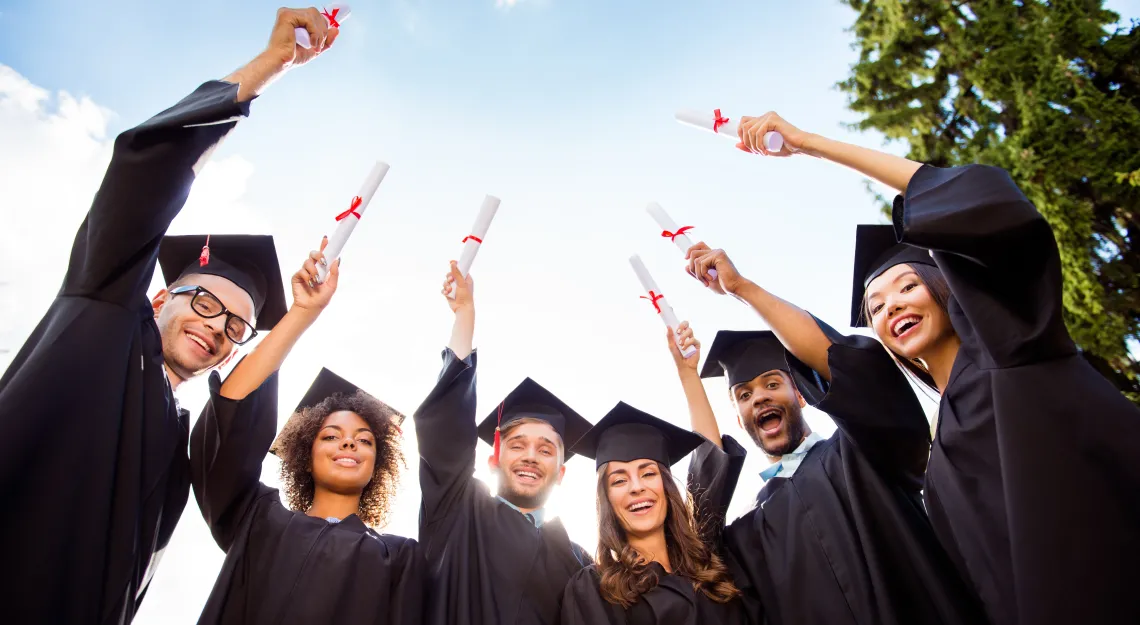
(201, 342)
(345, 461)
(770, 421)
(904, 325)
(641, 507)
(527, 476)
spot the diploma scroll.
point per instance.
(670, 230)
(334, 15)
(474, 240)
(656, 298)
(346, 221)
(715, 122)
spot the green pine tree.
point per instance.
(1050, 91)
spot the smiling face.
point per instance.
(344, 454)
(529, 465)
(636, 493)
(770, 409)
(904, 313)
(192, 344)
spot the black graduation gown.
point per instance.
(488, 564)
(672, 602)
(93, 465)
(845, 540)
(283, 566)
(1035, 471)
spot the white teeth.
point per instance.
(904, 324)
(527, 474)
(346, 461)
(640, 506)
(198, 341)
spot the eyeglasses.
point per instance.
(208, 306)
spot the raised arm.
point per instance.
(309, 300)
(445, 421)
(153, 166)
(702, 419)
(795, 328)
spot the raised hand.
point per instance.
(464, 292)
(685, 338)
(753, 129)
(702, 259)
(307, 293)
(283, 40)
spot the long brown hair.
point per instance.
(296, 452)
(625, 573)
(932, 278)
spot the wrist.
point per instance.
(465, 312)
(740, 287)
(303, 314)
(687, 373)
(812, 145)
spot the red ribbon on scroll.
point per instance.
(653, 297)
(672, 236)
(356, 201)
(473, 238)
(718, 120)
(331, 17)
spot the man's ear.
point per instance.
(561, 474)
(799, 396)
(492, 462)
(158, 301)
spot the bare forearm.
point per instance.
(701, 416)
(270, 353)
(793, 326)
(893, 171)
(463, 332)
(256, 75)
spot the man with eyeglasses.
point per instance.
(93, 447)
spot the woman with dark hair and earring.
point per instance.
(655, 562)
(1035, 465)
(317, 560)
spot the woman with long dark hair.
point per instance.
(1035, 465)
(315, 560)
(655, 562)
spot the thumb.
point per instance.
(334, 274)
(671, 339)
(455, 272)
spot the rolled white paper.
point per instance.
(651, 290)
(668, 225)
(341, 11)
(773, 140)
(474, 240)
(345, 226)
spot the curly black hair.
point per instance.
(295, 448)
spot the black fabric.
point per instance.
(283, 566)
(530, 399)
(83, 532)
(845, 538)
(742, 356)
(488, 564)
(877, 250)
(1034, 471)
(673, 601)
(626, 434)
(247, 260)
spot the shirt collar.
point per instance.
(536, 516)
(788, 464)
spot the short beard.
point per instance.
(522, 500)
(796, 428)
(169, 335)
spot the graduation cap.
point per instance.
(626, 434)
(877, 249)
(741, 356)
(249, 261)
(529, 399)
(324, 386)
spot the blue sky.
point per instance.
(561, 108)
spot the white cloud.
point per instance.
(506, 4)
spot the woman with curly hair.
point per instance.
(317, 560)
(656, 563)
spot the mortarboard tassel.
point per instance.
(497, 436)
(204, 257)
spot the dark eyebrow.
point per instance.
(902, 275)
(369, 430)
(645, 464)
(639, 467)
(335, 427)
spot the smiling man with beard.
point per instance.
(839, 534)
(492, 560)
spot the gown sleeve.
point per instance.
(874, 406)
(152, 168)
(407, 592)
(998, 255)
(445, 430)
(713, 474)
(582, 602)
(227, 446)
